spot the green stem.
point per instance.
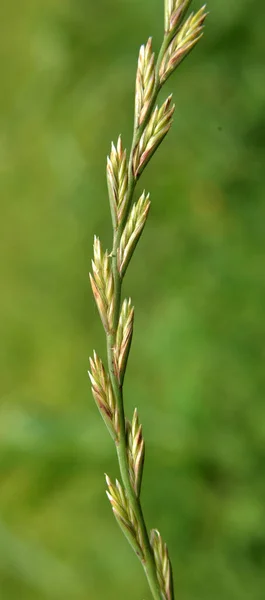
(148, 561)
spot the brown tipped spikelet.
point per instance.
(163, 565)
(135, 451)
(117, 178)
(175, 11)
(103, 395)
(185, 39)
(103, 285)
(125, 515)
(145, 81)
(132, 232)
(154, 133)
(123, 339)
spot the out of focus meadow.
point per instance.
(197, 281)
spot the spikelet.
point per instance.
(132, 232)
(163, 565)
(123, 339)
(117, 178)
(175, 11)
(125, 516)
(103, 395)
(145, 81)
(185, 39)
(169, 8)
(102, 285)
(135, 452)
(158, 126)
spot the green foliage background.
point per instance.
(197, 281)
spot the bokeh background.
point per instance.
(196, 371)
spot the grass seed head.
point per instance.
(125, 515)
(123, 339)
(135, 452)
(132, 231)
(155, 131)
(145, 82)
(102, 284)
(117, 179)
(185, 39)
(175, 11)
(150, 127)
(163, 565)
(103, 395)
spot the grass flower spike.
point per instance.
(125, 516)
(117, 177)
(123, 339)
(103, 395)
(151, 124)
(135, 451)
(175, 11)
(145, 82)
(102, 284)
(163, 565)
(132, 232)
(185, 39)
(155, 131)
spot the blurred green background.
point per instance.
(196, 371)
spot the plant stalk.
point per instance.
(154, 557)
(149, 561)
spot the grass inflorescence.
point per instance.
(151, 125)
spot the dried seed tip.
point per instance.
(163, 565)
(108, 480)
(119, 147)
(145, 81)
(175, 11)
(158, 126)
(123, 339)
(135, 452)
(185, 39)
(117, 179)
(124, 515)
(132, 232)
(103, 395)
(102, 285)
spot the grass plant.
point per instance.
(151, 124)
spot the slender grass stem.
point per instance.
(151, 124)
(148, 561)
